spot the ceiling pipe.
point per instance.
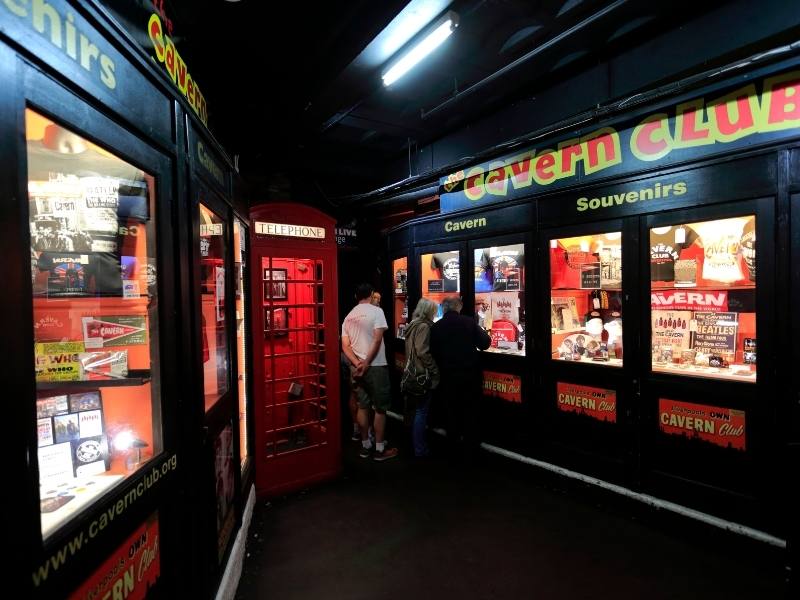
(526, 57)
(393, 192)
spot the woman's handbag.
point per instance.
(414, 381)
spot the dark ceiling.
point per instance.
(294, 89)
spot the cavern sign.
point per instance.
(764, 110)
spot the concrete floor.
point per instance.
(414, 530)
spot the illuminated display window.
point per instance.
(586, 299)
(400, 295)
(441, 272)
(242, 323)
(500, 296)
(96, 330)
(212, 305)
(703, 313)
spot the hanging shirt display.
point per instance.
(721, 243)
(665, 249)
(446, 264)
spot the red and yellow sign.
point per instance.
(721, 426)
(131, 570)
(503, 386)
(597, 403)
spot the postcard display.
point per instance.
(93, 276)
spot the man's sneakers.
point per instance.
(364, 452)
(385, 455)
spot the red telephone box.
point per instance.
(295, 347)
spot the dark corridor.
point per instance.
(409, 529)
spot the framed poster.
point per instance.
(275, 284)
(275, 321)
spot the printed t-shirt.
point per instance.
(664, 251)
(359, 325)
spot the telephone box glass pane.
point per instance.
(93, 270)
(294, 357)
(586, 298)
(703, 298)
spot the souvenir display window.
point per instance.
(93, 270)
(400, 270)
(586, 298)
(212, 299)
(703, 285)
(441, 272)
(240, 262)
(500, 296)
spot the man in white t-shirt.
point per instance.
(362, 344)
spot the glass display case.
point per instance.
(400, 295)
(96, 330)
(703, 290)
(440, 275)
(213, 252)
(242, 323)
(586, 298)
(500, 296)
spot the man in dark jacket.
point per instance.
(455, 341)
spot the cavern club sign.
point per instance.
(758, 111)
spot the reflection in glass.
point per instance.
(500, 296)
(441, 274)
(93, 273)
(586, 298)
(240, 258)
(400, 270)
(212, 306)
(703, 312)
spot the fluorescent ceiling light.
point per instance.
(422, 49)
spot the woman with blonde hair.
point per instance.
(421, 374)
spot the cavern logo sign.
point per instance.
(764, 111)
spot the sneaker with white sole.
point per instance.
(364, 452)
(386, 454)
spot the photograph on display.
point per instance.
(66, 428)
(53, 405)
(275, 321)
(84, 401)
(275, 284)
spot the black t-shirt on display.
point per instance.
(447, 263)
(664, 251)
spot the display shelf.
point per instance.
(283, 304)
(71, 497)
(733, 373)
(611, 362)
(135, 377)
(588, 290)
(298, 353)
(506, 351)
(702, 288)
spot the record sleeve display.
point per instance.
(586, 298)
(703, 308)
(93, 250)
